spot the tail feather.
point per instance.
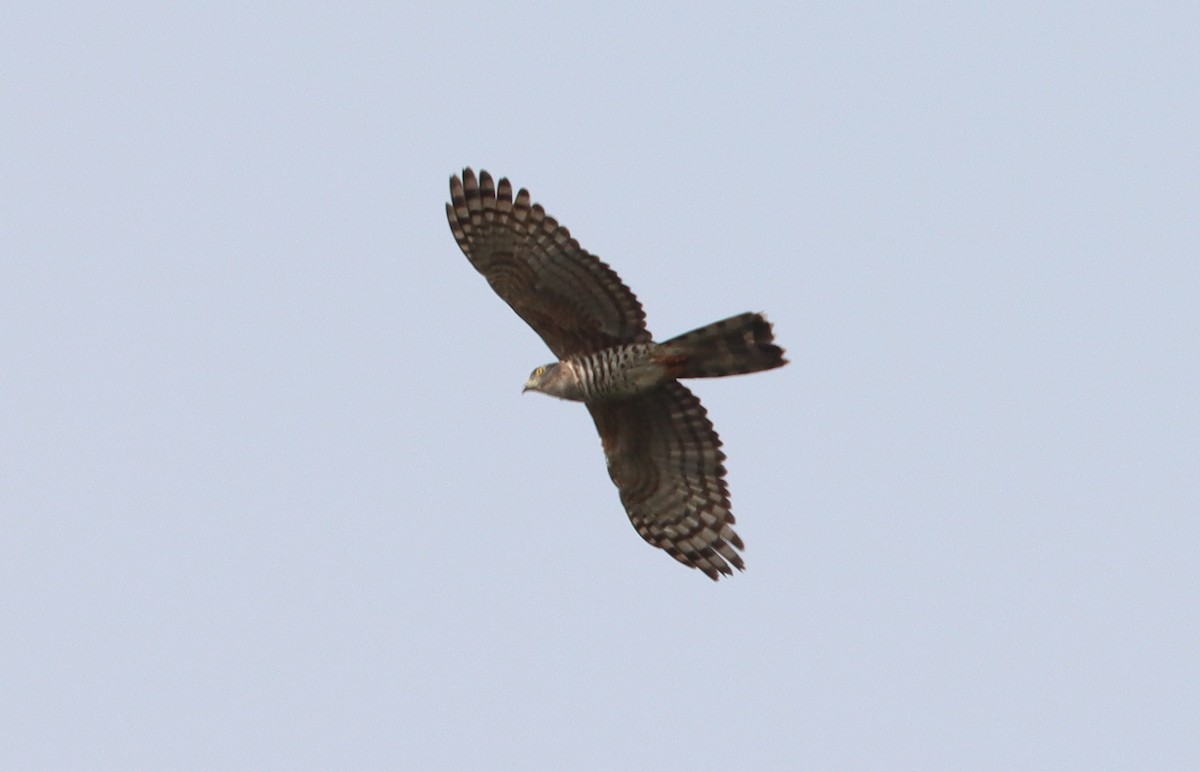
(734, 346)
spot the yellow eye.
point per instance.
(539, 371)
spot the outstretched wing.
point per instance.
(575, 302)
(665, 458)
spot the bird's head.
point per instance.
(542, 378)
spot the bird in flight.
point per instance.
(662, 451)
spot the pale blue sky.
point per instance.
(272, 498)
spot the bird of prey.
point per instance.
(662, 452)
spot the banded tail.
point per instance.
(734, 346)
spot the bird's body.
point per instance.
(662, 452)
(611, 373)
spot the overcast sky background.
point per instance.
(272, 498)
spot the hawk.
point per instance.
(662, 452)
